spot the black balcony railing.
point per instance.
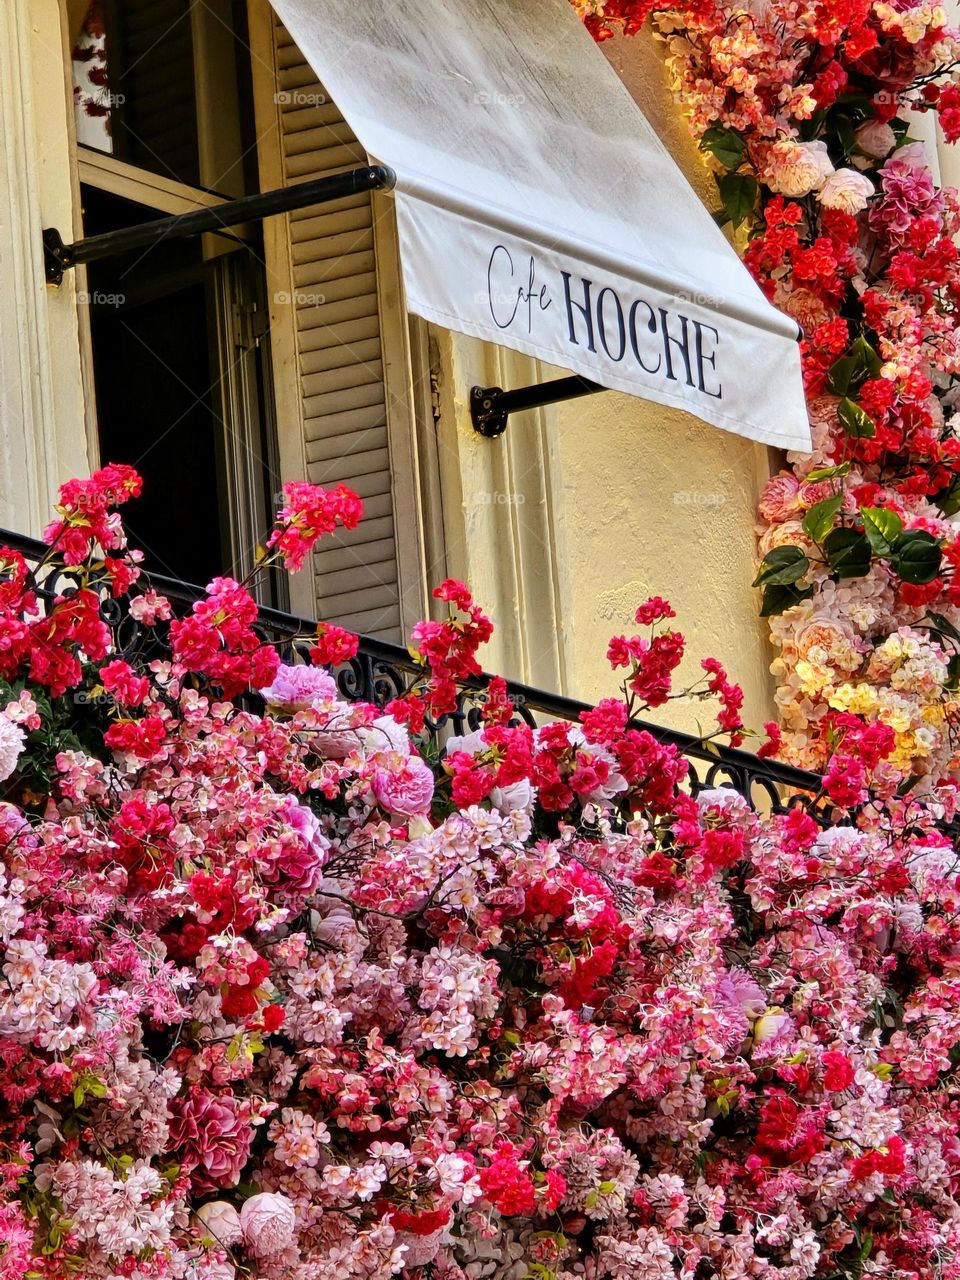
(382, 671)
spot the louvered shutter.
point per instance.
(339, 356)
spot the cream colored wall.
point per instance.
(603, 501)
(42, 431)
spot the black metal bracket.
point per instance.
(60, 257)
(490, 407)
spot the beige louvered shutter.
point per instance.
(336, 357)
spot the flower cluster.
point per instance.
(803, 113)
(282, 999)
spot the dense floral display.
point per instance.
(803, 111)
(285, 996)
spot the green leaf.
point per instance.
(948, 500)
(781, 567)
(850, 371)
(828, 473)
(867, 356)
(819, 520)
(778, 598)
(856, 421)
(847, 552)
(726, 145)
(916, 556)
(738, 191)
(943, 626)
(846, 135)
(881, 527)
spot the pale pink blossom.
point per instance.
(876, 139)
(221, 1221)
(297, 687)
(269, 1223)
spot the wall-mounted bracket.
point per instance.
(490, 407)
(60, 257)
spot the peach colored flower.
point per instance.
(806, 307)
(797, 168)
(789, 533)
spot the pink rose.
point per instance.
(814, 491)
(847, 191)
(211, 1269)
(779, 500)
(296, 864)
(220, 1221)
(875, 139)
(294, 688)
(269, 1223)
(213, 1134)
(406, 788)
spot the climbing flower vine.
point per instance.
(804, 114)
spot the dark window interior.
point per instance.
(156, 391)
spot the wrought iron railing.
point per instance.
(382, 671)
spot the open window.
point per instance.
(201, 346)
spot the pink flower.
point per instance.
(294, 688)
(876, 139)
(779, 500)
(908, 192)
(220, 1221)
(406, 788)
(214, 1136)
(847, 191)
(269, 1223)
(297, 865)
(120, 679)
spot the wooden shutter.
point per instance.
(338, 352)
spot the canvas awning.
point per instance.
(538, 209)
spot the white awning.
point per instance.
(537, 209)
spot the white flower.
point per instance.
(11, 747)
(846, 190)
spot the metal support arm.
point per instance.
(59, 257)
(490, 407)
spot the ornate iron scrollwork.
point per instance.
(382, 671)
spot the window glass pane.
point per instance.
(134, 84)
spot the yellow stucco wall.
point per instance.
(606, 500)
